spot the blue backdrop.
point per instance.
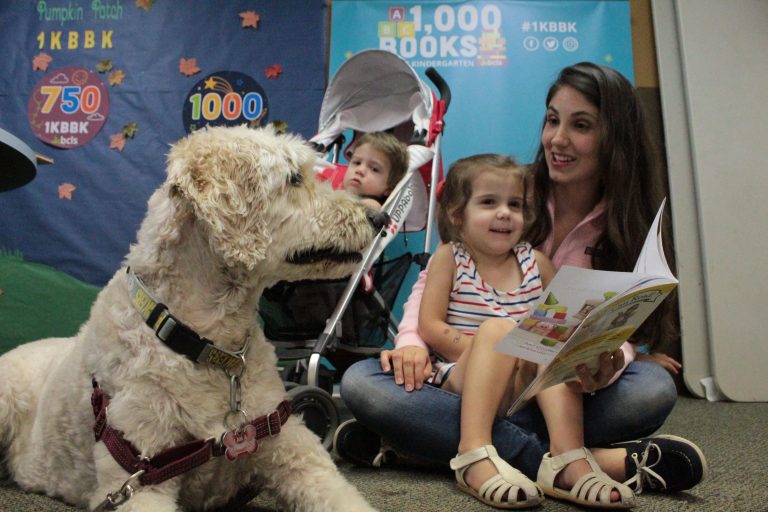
(81, 213)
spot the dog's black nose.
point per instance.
(377, 219)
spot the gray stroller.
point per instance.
(319, 328)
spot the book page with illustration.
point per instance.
(585, 312)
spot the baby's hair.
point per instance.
(396, 151)
(457, 189)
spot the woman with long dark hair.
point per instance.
(596, 188)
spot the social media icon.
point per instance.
(570, 44)
(550, 44)
(531, 43)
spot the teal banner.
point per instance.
(498, 57)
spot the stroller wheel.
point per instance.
(297, 373)
(318, 410)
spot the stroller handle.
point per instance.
(441, 84)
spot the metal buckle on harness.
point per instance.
(100, 424)
(117, 498)
(269, 422)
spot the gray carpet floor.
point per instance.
(733, 437)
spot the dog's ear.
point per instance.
(225, 194)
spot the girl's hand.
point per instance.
(610, 363)
(668, 363)
(410, 364)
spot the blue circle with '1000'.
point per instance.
(225, 98)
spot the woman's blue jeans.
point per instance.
(425, 424)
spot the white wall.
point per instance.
(713, 74)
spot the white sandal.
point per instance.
(591, 490)
(502, 490)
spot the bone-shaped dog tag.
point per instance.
(240, 442)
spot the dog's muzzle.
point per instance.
(377, 219)
(331, 254)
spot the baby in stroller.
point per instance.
(319, 328)
(378, 163)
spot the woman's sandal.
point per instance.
(502, 490)
(591, 490)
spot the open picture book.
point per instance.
(585, 312)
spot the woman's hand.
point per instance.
(670, 364)
(610, 363)
(411, 365)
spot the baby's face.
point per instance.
(368, 172)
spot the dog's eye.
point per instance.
(296, 179)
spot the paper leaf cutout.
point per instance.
(273, 71)
(280, 126)
(104, 66)
(117, 141)
(145, 4)
(250, 19)
(130, 129)
(116, 77)
(255, 123)
(65, 191)
(41, 61)
(188, 67)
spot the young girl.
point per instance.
(479, 284)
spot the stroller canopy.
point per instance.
(374, 90)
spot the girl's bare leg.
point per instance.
(564, 413)
(478, 377)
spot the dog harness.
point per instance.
(178, 459)
(242, 439)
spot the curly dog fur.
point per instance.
(235, 213)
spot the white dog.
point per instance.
(238, 212)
